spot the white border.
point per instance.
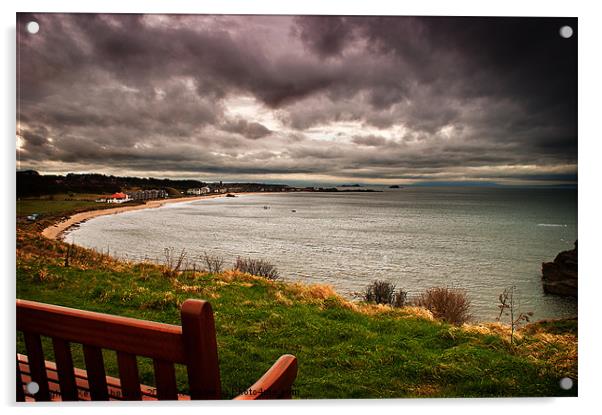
(590, 109)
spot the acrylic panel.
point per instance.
(305, 207)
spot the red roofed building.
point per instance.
(118, 198)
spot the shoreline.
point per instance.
(57, 230)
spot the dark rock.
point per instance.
(560, 277)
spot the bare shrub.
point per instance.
(400, 298)
(383, 292)
(69, 254)
(259, 267)
(509, 306)
(173, 264)
(379, 292)
(213, 263)
(448, 304)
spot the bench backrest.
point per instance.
(193, 344)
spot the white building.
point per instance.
(198, 191)
(118, 198)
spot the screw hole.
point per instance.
(566, 31)
(33, 387)
(566, 383)
(33, 27)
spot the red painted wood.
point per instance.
(276, 383)
(194, 344)
(96, 373)
(200, 346)
(138, 337)
(33, 344)
(165, 380)
(128, 373)
(20, 392)
(66, 373)
(81, 379)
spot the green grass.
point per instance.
(52, 207)
(60, 204)
(344, 350)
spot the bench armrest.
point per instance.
(276, 383)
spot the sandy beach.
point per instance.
(56, 231)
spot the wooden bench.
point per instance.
(193, 345)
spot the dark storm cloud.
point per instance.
(324, 35)
(374, 97)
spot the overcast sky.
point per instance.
(284, 98)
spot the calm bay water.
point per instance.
(478, 239)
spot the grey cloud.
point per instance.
(369, 140)
(251, 130)
(324, 35)
(135, 92)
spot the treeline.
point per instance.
(31, 183)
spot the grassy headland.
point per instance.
(345, 349)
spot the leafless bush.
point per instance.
(213, 263)
(379, 292)
(173, 263)
(383, 292)
(400, 298)
(257, 267)
(449, 304)
(508, 307)
(69, 254)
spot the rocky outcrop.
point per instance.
(560, 277)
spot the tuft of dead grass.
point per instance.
(233, 275)
(558, 351)
(282, 299)
(493, 328)
(185, 288)
(425, 390)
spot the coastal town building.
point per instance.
(198, 191)
(122, 197)
(118, 198)
(147, 194)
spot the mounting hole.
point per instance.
(566, 383)
(566, 31)
(33, 27)
(33, 387)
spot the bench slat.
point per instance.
(65, 370)
(128, 374)
(138, 337)
(114, 384)
(200, 345)
(33, 344)
(20, 392)
(97, 378)
(165, 380)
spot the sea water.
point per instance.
(481, 240)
